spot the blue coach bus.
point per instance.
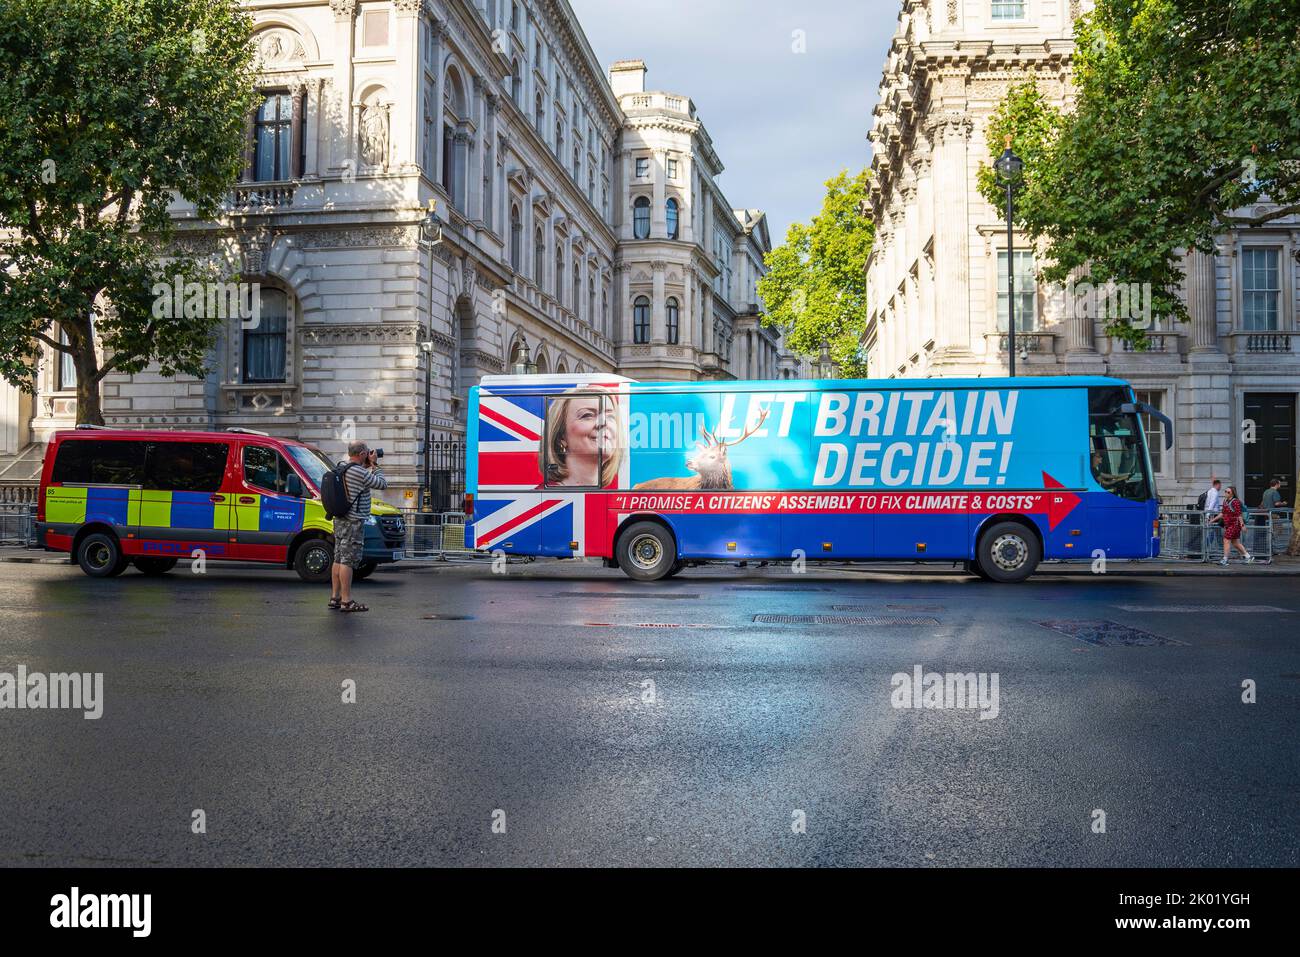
(996, 473)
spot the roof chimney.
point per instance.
(627, 76)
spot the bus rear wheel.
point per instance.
(647, 552)
(1008, 552)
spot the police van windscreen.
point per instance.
(312, 461)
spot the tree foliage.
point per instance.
(109, 109)
(815, 289)
(1187, 115)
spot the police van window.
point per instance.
(186, 466)
(265, 468)
(99, 462)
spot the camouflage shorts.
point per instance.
(349, 540)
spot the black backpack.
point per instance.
(1200, 502)
(334, 492)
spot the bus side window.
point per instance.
(582, 443)
(1116, 456)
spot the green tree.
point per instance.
(109, 109)
(815, 289)
(1187, 113)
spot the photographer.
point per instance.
(361, 475)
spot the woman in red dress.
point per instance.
(1230, 515)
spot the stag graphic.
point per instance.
(710, 464)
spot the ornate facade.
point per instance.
(936, 276)
(499, 112)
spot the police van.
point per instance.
(119, 497)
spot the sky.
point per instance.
(783, 122)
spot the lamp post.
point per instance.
(1009, 167)
(430, 235)
(524, 365)
(825, 366)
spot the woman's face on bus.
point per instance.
(586, 431)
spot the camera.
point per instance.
(379, 453)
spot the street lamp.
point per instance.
(524, 365)
(825, 366)
(430, 235)
(1009, 167)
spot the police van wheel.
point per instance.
(154, 566)
(1008, 552)
(363, 570)
(100, 556)
(647, 552)
(313, 560)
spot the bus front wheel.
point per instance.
(647, 552)
(1008, 552)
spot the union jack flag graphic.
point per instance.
(512, 508)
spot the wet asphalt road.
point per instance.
(223, 693)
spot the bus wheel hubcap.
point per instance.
(646, 551)
(1010, 552)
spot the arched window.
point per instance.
(672, 218)
(541, 112)
(641, 320)
(674, 317)
(454, 113)
(577, 291)
(539, 258)
(641, 218)
(516, 83)
(559, 141)
(264, 344)
(591, 301)
(559, 272)
(516, 238)
(577, 163)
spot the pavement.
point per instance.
(560, 713)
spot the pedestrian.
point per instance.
(1230, 514)
(1272, 496)
(1208, 504)
(359, 477)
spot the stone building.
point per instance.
(499, 112)
(937, 273)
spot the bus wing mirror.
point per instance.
(1131, 407)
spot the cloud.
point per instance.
(782, 121)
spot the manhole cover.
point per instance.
(1109, 634)
(777, 588)
(890, 607)
(643, 595)
(448, 617)
(845, 620)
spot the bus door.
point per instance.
(1119, 514)
(267, 512)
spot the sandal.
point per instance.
(334, 603)
(353, 606)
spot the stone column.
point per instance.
(950, 133)
(686, 312)
(345, 12)
(658, 319)
(406, 125)
(1201, 305)
(658, 218)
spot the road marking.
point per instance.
(1193, 609)
(845, 620)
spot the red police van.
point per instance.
(114, 497)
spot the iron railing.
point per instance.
(18, 524)
(1187, 535)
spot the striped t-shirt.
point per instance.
(359, 480)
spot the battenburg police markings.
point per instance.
(1195, 609)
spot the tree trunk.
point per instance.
(82, 341)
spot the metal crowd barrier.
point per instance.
(1185, 535)
(18, 524)
(435, 536)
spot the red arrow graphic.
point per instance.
(1058, 505)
